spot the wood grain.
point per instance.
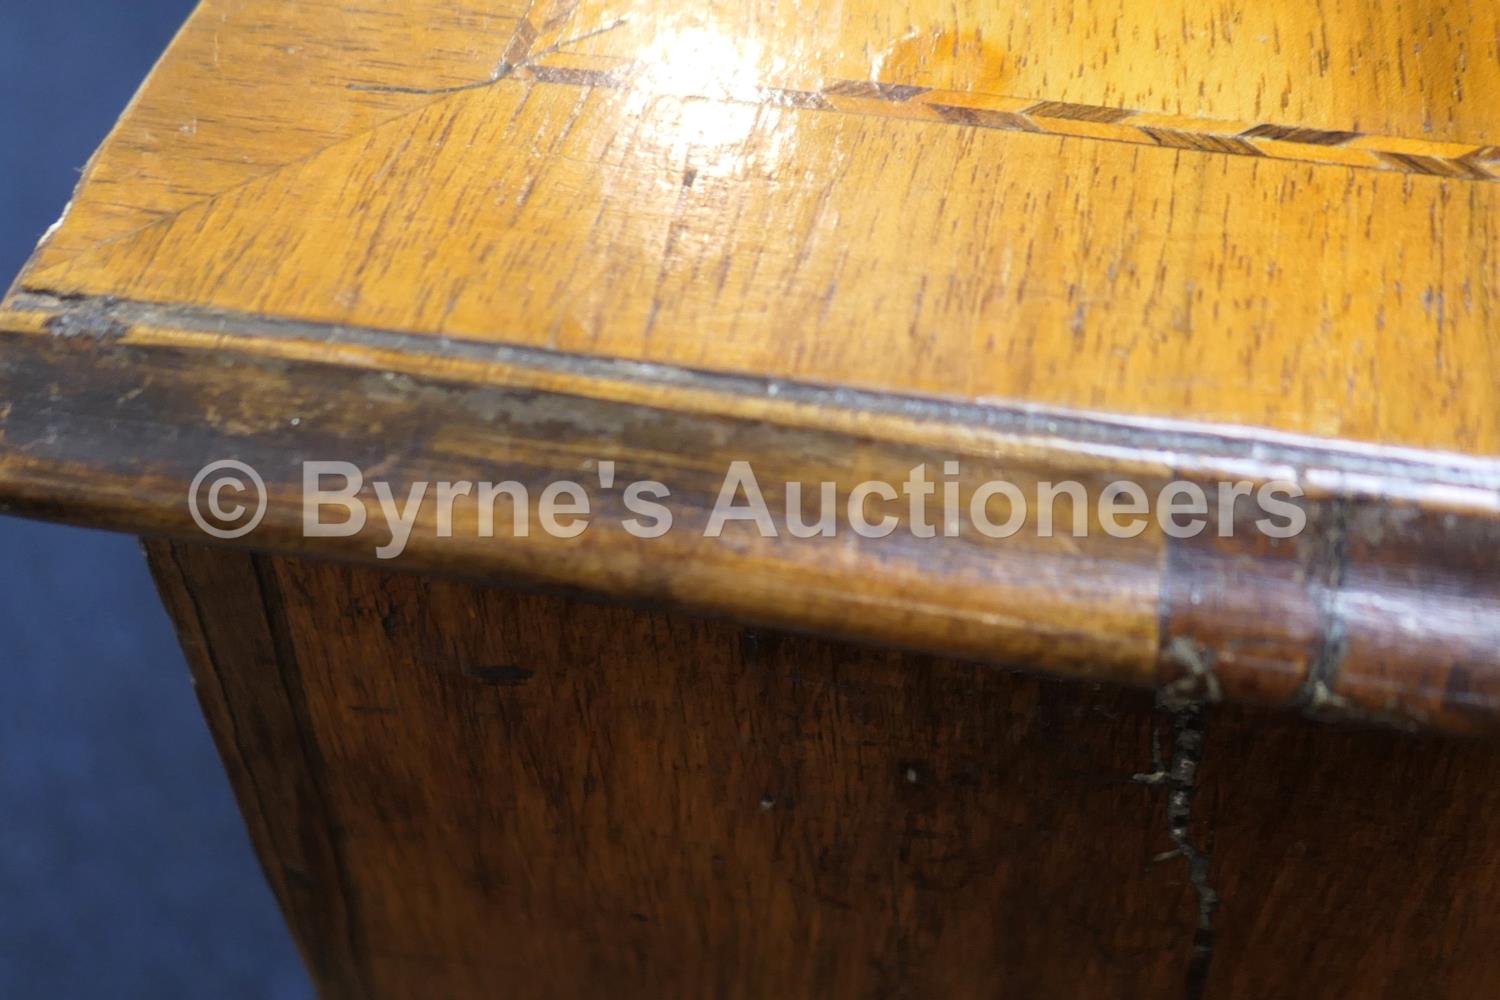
(246, 89)
(1144, 240)
(551, 798)
(1148, 240)
(1384, 607)
(465, 174)
(1403, 68)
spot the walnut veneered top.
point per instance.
(1270, 214)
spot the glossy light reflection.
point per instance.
(717, 79)
(701, 62)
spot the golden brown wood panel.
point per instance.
(247, 88)
(850, 194)
(1407, 68)
(543, 797)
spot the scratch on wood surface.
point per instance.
(503, 69)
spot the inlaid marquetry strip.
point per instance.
(1453, 160)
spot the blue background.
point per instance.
(124, 868)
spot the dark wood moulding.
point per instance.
(1387, 607)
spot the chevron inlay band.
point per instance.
(1456, 161)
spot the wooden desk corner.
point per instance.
(622, 244)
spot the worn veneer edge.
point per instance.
(1387, 607)
(1334, 464)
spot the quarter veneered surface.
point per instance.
(717, 189)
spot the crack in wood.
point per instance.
(1179, 777)
(503, 69)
